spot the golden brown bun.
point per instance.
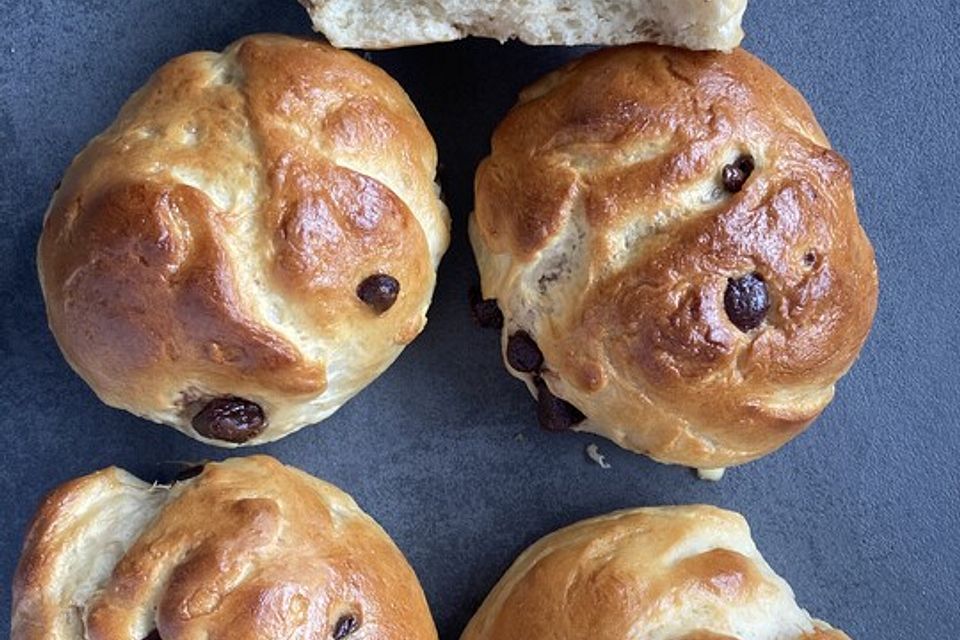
(604, 227)
(248, 549)
(211, 242)
(668, 573)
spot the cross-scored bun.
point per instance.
(676, 252)
(259, 227)
(668, 573)
(248, 549)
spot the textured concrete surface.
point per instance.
(860, 514)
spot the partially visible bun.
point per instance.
(247, 549)
(668, 573)
(695, 24)
(249, 244)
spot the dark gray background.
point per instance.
(860, 514)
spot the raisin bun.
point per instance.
(676, 253)
(249, 244)
(249, 548)
(669, 573)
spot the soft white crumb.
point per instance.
(696, 24)
(594, 454)
(711, 475)
(520, 437)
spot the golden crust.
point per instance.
(211, 241)
(603, 230)
(668, 573)
(250, 548)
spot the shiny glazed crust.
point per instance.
(211, 241)
(248, 549)
(668, 573)
(603, 229)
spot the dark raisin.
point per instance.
(189, 472)
(746, 301)
(153, 635)
(553, 413)
(810, 258)
(345, 626)
(485, 313)
(230, 419)
(735, 174)
(169, 473)
(523, 354)
(379, 291)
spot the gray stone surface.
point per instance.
(860, 514)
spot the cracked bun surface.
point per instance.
(247, 549)
(249, 244)
(674, 234)
(667, 573)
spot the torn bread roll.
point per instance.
(249, 548)
(373, 24)
(667, 573)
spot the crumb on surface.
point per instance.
(594, 454)
(711, 475)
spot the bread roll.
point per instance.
(249, 244)
(676, 253)
(669, 573)
(247, 549)
(374, 24)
